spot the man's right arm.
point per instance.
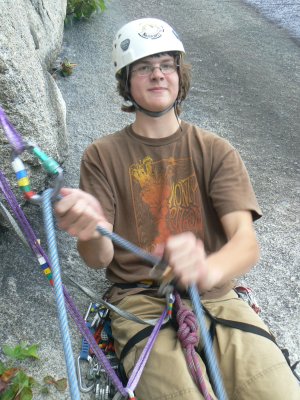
(79, 213)
(96, 253)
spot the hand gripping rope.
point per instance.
(52, 167)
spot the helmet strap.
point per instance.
(154, 114)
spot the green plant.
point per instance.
(21, 351)
(79, 9)
(64, 68)
(15, 384)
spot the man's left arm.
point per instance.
(238, 255)
(189, 263)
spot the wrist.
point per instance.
(214, 277)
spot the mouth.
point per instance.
(157, 89)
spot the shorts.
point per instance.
(252, 366)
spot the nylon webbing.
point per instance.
(242, 326)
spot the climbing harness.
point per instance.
(62, 297)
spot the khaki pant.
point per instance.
(253, 367)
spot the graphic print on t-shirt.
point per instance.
(166, 199)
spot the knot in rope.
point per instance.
(189, 339)
(188, 327)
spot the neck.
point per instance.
(159, 127)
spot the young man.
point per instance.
(177, 190)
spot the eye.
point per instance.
(167, 67)
(144, 69)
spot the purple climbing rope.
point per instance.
(13, 136)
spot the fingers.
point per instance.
(159, 250)
(186, 256)
(78, 213)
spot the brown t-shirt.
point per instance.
(153, 188)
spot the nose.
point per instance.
(156, 72)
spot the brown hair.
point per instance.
(184, 73)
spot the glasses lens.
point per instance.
(167, 68)
(144, 70)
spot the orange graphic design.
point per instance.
(166, 199)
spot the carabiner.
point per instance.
(49, 164)
(83, 388)
(102, 391)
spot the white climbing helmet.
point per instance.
(142, 38)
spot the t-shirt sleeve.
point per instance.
(93, 180)
(230, 187)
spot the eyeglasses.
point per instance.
(147, 69)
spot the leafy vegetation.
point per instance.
(21, 351)
(15, 384)
(64, 68)
(79, 9)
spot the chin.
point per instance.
(157, 107)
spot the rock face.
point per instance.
(30, 40)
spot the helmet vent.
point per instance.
(125, 44)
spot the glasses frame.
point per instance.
(137, 71)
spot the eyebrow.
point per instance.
(159, 59)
